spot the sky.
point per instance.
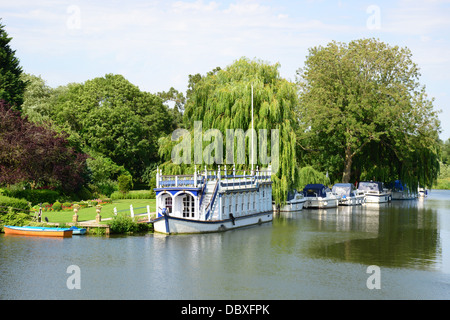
(158, 44)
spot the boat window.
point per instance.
(188, 206)
(168, 203)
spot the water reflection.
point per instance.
(399, 234)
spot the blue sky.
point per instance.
(157, 44)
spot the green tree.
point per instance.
(112, 117)
(222, 100)
(11, 85)
(363, 112)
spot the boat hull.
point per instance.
(292, 206)
(321, 203)
(38, 231)
(174, 225)
(351, 201)
(378, 198)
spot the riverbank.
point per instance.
(89, 214)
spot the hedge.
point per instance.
(35, 196)
(14, 202)
(134, 194)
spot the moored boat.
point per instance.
(401, 192)
(78, 231)
(212, 201)
(347, 194)
(295, 202)
(38, 231)
(319, 196)
(374, 192)
(423, 193)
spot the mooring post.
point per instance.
(148, 212)
(131, 211)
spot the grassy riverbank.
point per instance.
(87, 214)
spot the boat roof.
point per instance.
(343, 188)
(370, 185)
(315, 189)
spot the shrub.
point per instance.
(35, 196)
(57, 206)
(66, 205)
(123, 224)
(125, 183)
(15, 218)
(134, 194)
(14, 202)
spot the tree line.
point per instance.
(356, 111)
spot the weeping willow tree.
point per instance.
(365, 114)
(222, 101)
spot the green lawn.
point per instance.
(107, 211)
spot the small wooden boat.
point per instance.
(78, 231)
(39, 231)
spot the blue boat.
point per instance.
(78, 231)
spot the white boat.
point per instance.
(319, 196)
(295, 202)
(401, 192)
(422, 193)
(211, 202)
(347, 194)
(374, 192)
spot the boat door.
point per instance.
(188, 208)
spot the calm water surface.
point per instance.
(313, 254)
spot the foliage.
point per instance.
(123, 223)
(309, 175)
(11, 85)
(113, 118)
(14, 218)
(37, 154)
(364, 114)
(134, 194)
(125, 183)
(35, 196)
(222, 100)
(57, 206)
(14, 203)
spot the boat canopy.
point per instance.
(291, 195)
(370, 186)
(343, 189)
(315, 190)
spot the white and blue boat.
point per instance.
(374, 192)
(401, 192)
(212, 201)
(347, 194)
(319, 196)
(295, 202)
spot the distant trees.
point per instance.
(11, 85)
(364, 114)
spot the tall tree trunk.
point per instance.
(347, 165)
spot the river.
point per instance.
(313, 254)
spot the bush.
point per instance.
(35, 196)
(134, 194)
(57, 206)
(66, 205)
(14, 218)
(123, 224)
(125, 183)
(14, 202)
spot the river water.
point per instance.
(313, 254)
